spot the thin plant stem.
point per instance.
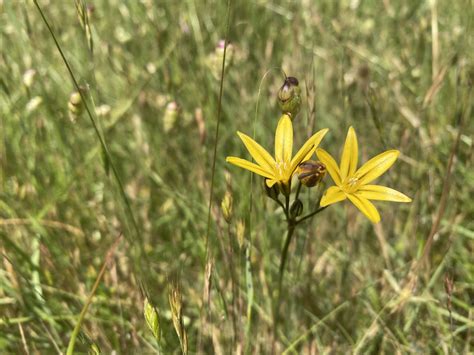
(284, 253)
(292, 224)
(298, 189)
(312, 214)
(82, 315)
(216, 138)
(233, 283)
(99, 135)
(213, 169)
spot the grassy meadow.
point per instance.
(114, 142)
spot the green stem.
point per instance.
(314, 213)
(284, 254)
(283, 207)
(298, 190)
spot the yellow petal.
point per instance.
(349, 155)
(382, 193)
(331, 165)
(242, 163)
(307, 150)
(284, 139)
(366, 207)
(260, 155)
(376, 166)
(332, 195)
(270, 182)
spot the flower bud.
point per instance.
(296, 208)
(289, 97)
(311, 172)
(271, 192)
(226, 206)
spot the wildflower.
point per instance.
(353, 183)
(281, 168)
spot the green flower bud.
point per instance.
(289, 97)
(296, 208)
(271, 192)
(311, 172)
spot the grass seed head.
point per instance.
(176, 305)
(151, 317)
(226, 206)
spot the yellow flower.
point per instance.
(353, 183)
(281, 168)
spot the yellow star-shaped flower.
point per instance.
(353, 183)
(281, 168)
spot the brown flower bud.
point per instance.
(311, 172)
(289, 97)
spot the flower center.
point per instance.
(351, 183)
(282, 169)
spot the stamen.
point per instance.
(352, 181)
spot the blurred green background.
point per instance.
(400, 72)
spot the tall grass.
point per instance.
(400, 72)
